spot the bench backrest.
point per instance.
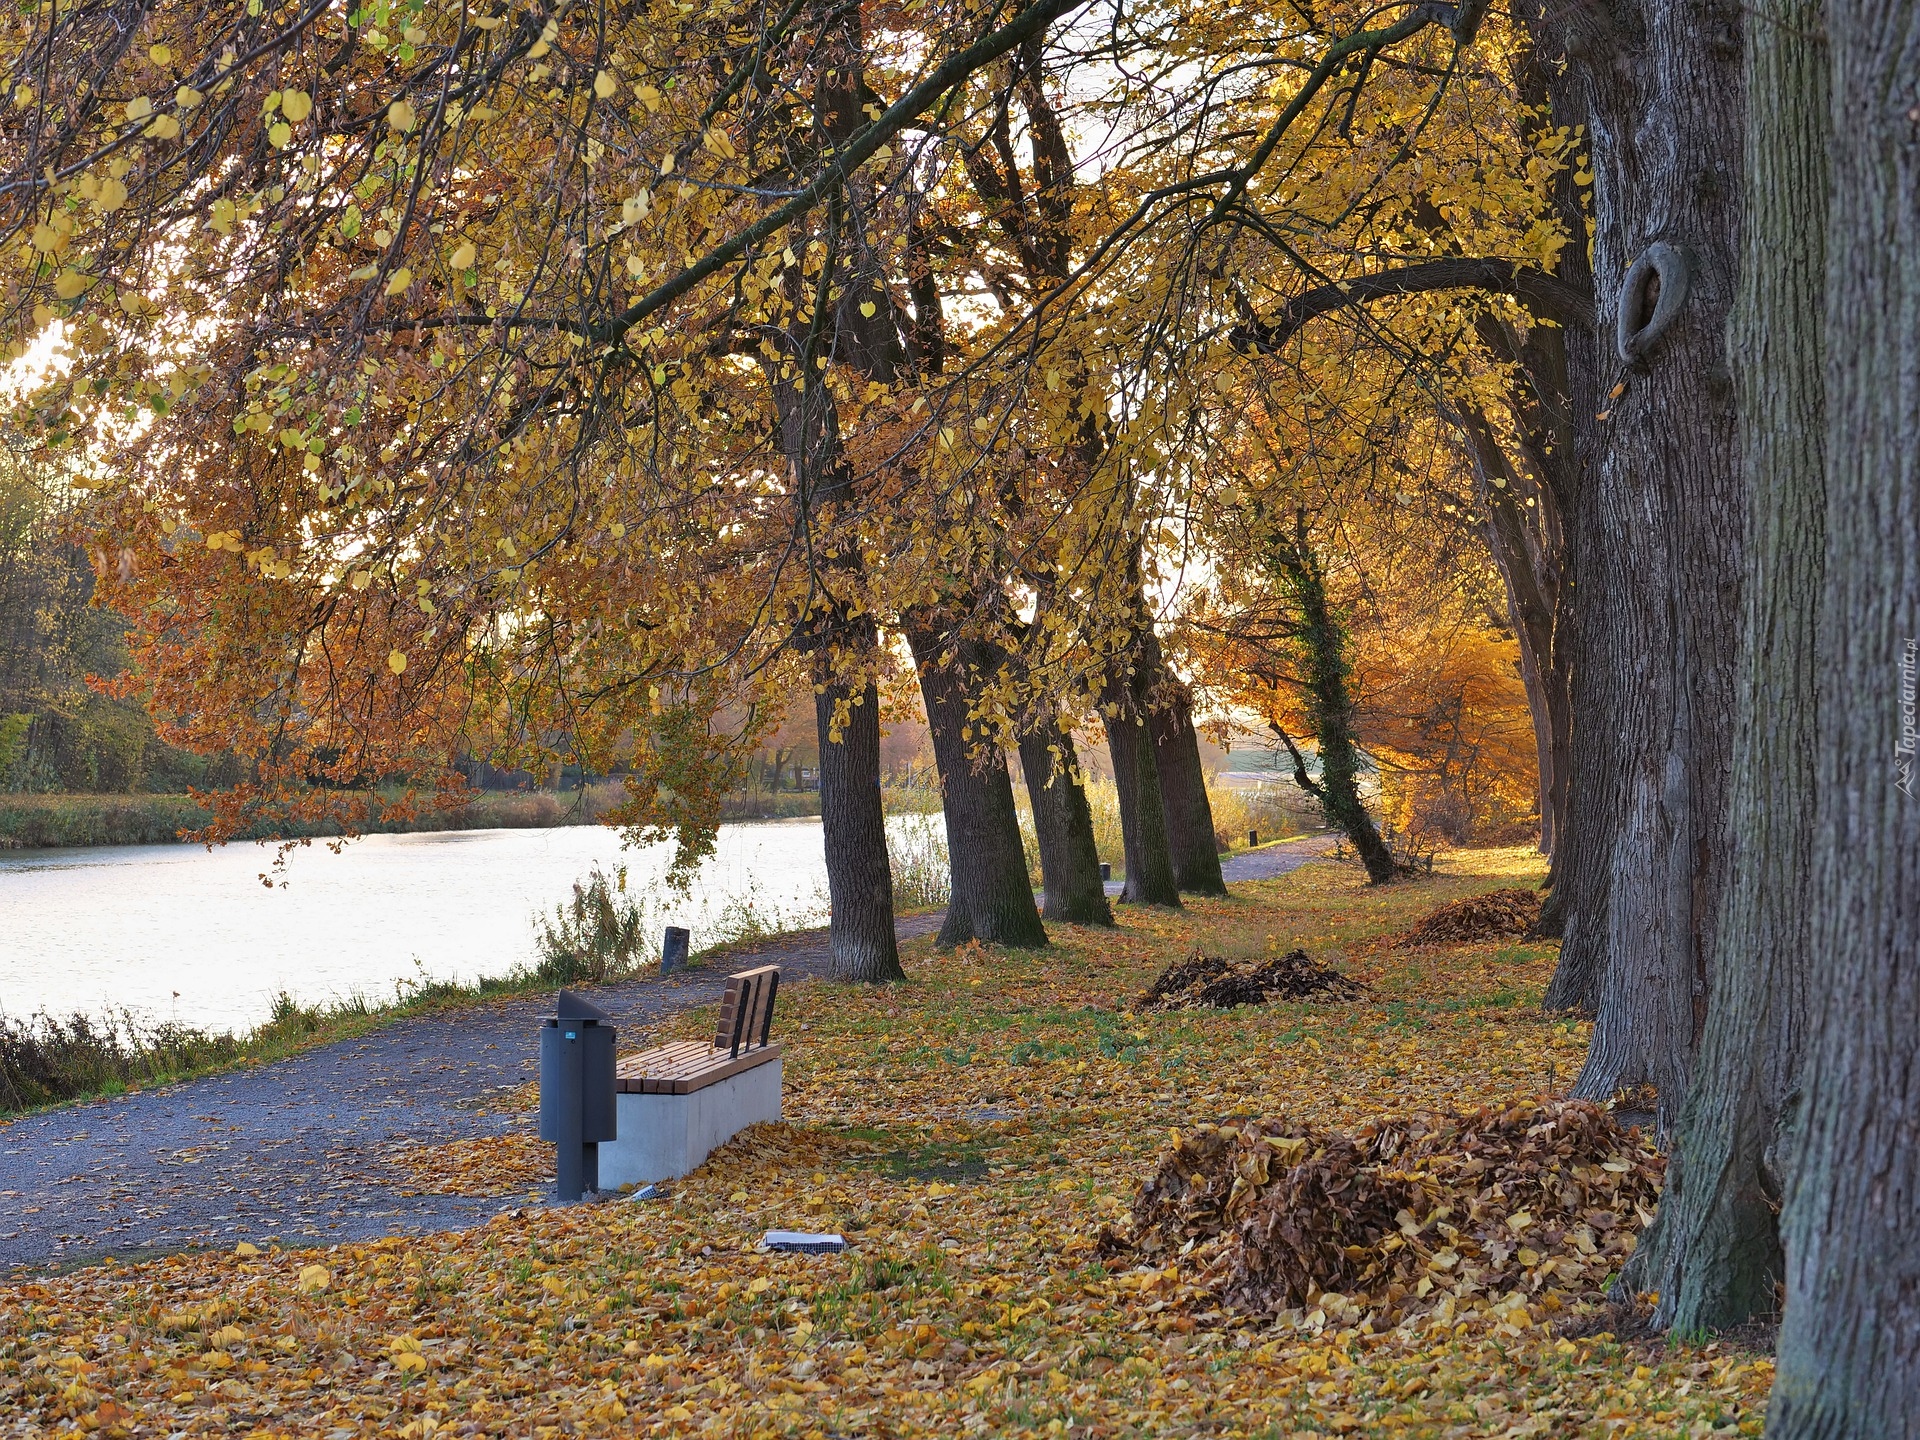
(746, 1010)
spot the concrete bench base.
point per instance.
(666, 1136)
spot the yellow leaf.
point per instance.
(396, 662)
(160, 55)
(318, 1277)
(279, 134)
(617, 529)
(399, 280)
(139, 108)
(71, 283)
(186, 97)
(400, 116)
(410, 1362)
(867, 308)
(246, 1249)
(296, 105)
(463, 257)
(604, 85)
(361, 579)
(164, 127)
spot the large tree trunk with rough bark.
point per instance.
(1191, 843)
(860, 938)
(1063, 826)
(1714, 1253)
(1654, 533)
(1136, 778)
(992, 895)
(1849, 1353)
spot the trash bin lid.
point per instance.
(571, 1007)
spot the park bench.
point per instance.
(677, 1103)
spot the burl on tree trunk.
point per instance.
(1714, 1252)
(1653, 532)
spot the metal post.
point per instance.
(673, 950)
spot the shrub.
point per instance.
(917, 855)
(598, 936)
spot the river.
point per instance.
(178, 932)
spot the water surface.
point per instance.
(179, 932)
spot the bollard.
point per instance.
(1106, 872)
(673, 950)
(576, 1092)
(1253, 839)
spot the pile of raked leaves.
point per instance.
(1402, 1219)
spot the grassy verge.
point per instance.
(47, 1061)
(970, 1132)
(50, 821)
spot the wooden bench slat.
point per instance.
(741, 1041)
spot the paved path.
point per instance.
(293, 1150)
(1269, 860)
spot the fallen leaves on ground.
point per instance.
(1479, 917)
(1213, 982)
(969, 1132)
(484, 1166)
(1514, 1211)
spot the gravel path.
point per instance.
(293, 1150)
(1269, 860)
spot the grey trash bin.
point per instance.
(576, 1091)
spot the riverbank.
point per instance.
(47, 1061)
(48, 822)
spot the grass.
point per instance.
(969, 1131)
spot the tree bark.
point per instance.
(992, 895)
(1528, 549)
(1136, 776)
(1654, 533)
(1714, 1251)
(1322, 643)
(860, 938)
(1191, 844)
(1849, 1353)
(1063, 825)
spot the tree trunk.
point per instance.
(1191, 843)
(1714, 1252)
(860, 937)
(1524, 536)
(1654, 534)
(1062, 823)
(992, 894)
(1322, 643)
(1849, 1354)
(1136, 776)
